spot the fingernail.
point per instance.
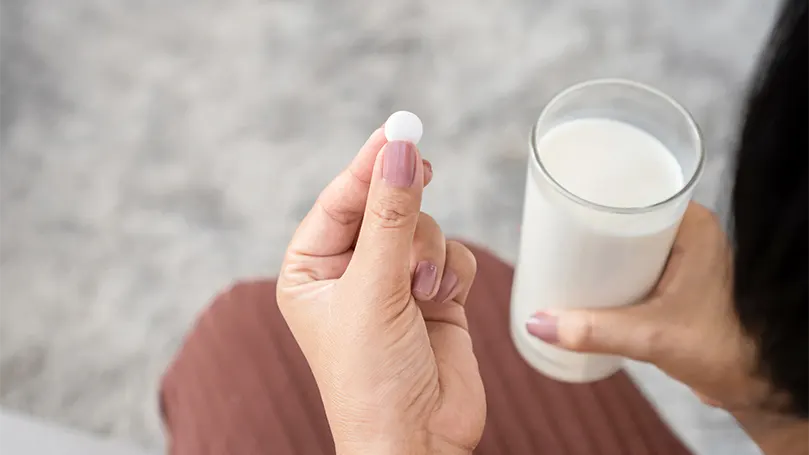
(399, 164)
(543, 326)
(424, 278)
(448, 283)
(428, 167)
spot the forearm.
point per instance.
(776, 434)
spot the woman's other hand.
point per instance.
(687, 327)
(374, 296)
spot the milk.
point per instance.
(574, 254)
(610, 163)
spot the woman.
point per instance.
(376, 299)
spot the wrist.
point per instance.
(776, 433)
(417, 444)
(365, 441)
(377, 448)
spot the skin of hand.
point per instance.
(374, 295)
(688, 328)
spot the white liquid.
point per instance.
(573, 256)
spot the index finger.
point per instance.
(332, 224)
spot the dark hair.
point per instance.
(770, 210)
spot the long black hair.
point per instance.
(770, 210)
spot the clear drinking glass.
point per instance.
(575, 253)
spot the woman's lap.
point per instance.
(240, 385)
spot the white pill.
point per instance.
(404, 126)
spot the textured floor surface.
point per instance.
(154, 150)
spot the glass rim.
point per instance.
(694, 128)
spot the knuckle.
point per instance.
(428, 234)
(469, 259)
(426, 219)
(650, 343)
(391, 211)
(340, 215)
(462, 254)
(427, 222)
(580, 334)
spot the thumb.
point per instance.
(392, 211)
(630, 331)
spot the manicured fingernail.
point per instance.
(399, 164)
(448, 283)
(424, 278)
(544, 326)
(428, 171)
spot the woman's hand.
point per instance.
(687, 327)
(374, 296)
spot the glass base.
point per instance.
(560, 364)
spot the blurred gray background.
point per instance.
(154, 150)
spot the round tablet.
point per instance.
(403, 126)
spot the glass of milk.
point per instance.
(611, 170)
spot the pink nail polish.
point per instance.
(424, 278)
(399, 164)
(448, 284)
(543, 326)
